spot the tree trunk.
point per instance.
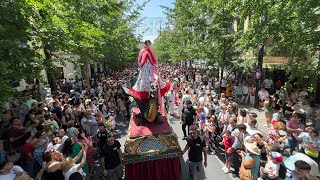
(86, 74)
(221, 72)
(260, 61)
(50, 71)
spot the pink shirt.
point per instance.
(293, 125)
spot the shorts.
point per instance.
(229, 157)
(115, 173)
(194, 167)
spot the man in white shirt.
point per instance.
(245, 96)
(251, 127)
(263, 94)
(170, 96)
(8, 171)
(186, 97)
(61, 134)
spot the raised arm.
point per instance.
(84, 157)
(78, 155)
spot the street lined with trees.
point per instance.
(33, 31)
(229, 34)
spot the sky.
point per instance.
(153, 10)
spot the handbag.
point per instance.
(311, 153)
(245, 174)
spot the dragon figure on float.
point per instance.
(148, 89)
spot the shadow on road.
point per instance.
(122, 126)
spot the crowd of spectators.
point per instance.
(52, 137)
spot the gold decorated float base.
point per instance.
(150, 142)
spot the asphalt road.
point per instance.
(215, 162)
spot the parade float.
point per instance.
(151, 150)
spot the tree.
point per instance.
(20, 57)
(99, 31)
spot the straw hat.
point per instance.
(252, 147)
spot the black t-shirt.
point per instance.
(102, 138)
(263, 152)
(188, 114)
(58, 112)
(196, 146)
(110, 154)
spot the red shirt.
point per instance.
(277, 84)
(28, 149)
(13, 133)
(227, 141)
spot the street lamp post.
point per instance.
(260, 61)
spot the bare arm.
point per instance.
(78, 155)
(185, 149)
(83, 160)
(292, 130)
(205, 153)
(120, 153)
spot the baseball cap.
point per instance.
(276, 156)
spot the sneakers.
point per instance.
(266, 125)
(184, 138)
(226, 171)
(212, 152)
(224, 168)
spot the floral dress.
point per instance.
(273, 135)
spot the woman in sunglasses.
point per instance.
(310, 142)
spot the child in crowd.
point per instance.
(202, 121)
(271, 170)
(274, 134)
(227, 142)
(209, 132)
